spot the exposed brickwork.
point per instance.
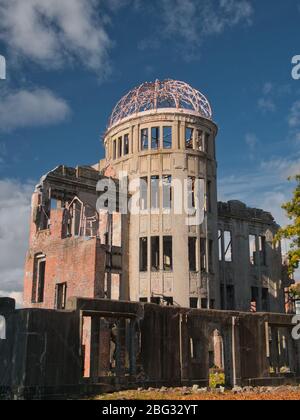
(76, 261)
(76, 256)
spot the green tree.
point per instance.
(292, 231)
(295, 291)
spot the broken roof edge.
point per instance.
(82, 173)
(238, 209)
(64, 178)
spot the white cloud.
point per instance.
(26, 108)
(294, 116)
(266, 105)
(17, 296)
(115, 5)
(266, 186)
(271, 94)
(193, 20)
(56, 32)
(266, 102)
(14, 235)
(252, 142)
(261, 198)
(283, 168)
(267, 88)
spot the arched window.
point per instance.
(2, 328)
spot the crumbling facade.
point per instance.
(154, 296)
(252, 276)
(75, 250)
(161, 138)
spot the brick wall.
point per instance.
(77, 261)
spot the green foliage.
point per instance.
(216, 379)
(295, 291)
(292, 231)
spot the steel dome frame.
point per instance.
(160, 94)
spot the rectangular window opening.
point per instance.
(204, 303)
(193, 254)
(203, 254)
(155, 138)
(155, 192)
(155, 256)
(144, 139)
(200, 140)
(120, 143)
(191, 192)
(254, 299)
(156, 300)
(144, 194)
(61, 296)
(168, 253)
(262, 250)
(228, 246)
(167, 192)
(38, 285)
(143, 300)
(143, 255)
(252, 249)
(115, 149)
(194, 303)
(167, 137)
(220, 243)
(126, 144)
(189, 134)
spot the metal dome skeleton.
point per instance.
(158, 95)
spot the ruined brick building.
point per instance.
(157, 295)
(160, 133)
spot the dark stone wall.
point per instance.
(160, 346)
(42, 354)
(42, 348)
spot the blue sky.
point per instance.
(69, 62)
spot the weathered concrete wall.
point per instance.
(179, 162)
(239, 273)
(41, 350)
(160, 331)
(133, 344)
